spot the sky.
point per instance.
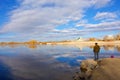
(56, 20)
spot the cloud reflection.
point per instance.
(46, 62)
(36, 66)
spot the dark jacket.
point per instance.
(96, 49)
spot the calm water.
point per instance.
(46, 62)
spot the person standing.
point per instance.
(96, 50)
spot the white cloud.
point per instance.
(100, 3)
(105, 16)
(103, 26)
(38, 18)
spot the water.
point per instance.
(46, 62)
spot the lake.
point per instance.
(46, 62)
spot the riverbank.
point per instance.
(105, 69)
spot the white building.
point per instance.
(80, 39)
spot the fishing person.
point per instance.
(96, 51)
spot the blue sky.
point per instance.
(53, 20)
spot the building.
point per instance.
(80, 39)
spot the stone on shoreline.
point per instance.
(105, 69)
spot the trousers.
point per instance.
(96, 56)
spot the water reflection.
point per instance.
(46, 62)
(5, 73)
(118, 48)
(41, 64)
(34, 46)
(109, 47)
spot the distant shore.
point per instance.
(66, 43)
(90, 42)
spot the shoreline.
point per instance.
(78, 44)
(104, 69)
(89, 43)
(83, 43)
